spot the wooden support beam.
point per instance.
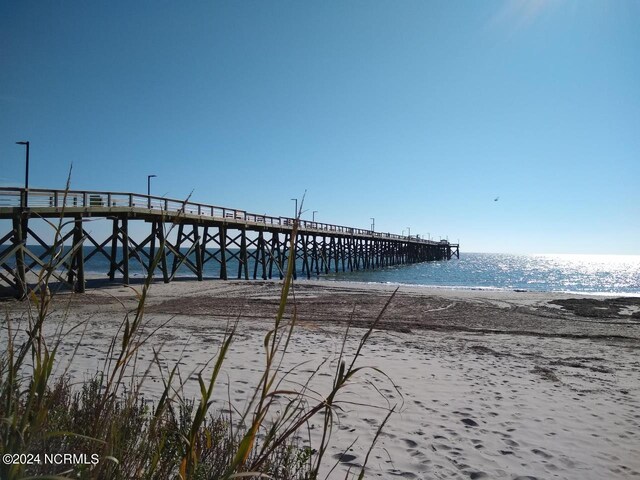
(125, 250)
(152, 250)
(49, 251)
(260, 257)
(324, 262)
(314, 255)
(304, 239)
(114, 250)
(222, 235)
(243, 262)
(163, 251)
(341, 252)
(19, 242)
(333, 255)
(176, 251)
(276, 254)
(77, 262)
(286, 252)
(198, 253)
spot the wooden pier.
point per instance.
(255, 246)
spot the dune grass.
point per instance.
(121, 434)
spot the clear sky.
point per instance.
(417, 113)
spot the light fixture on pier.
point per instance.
(26, 176)
(149, 177)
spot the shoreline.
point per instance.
(99, 276)
(136, 278)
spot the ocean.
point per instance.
(592, 274)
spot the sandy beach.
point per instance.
(486, 384)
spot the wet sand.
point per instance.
(486, 384)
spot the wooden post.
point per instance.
(78, 257)
(177, 253)
(203, 245)
(114, 250)
(366, 254)
(222, 235)
(325, 262)
(125, 250)
(263, 255)
(341, 249)
(275, 253)
(295, 255)
(152, 250)
(243, 263)
(19, 241)
(198, 252)
(329, 253)
(314, 255)
(305, 255)
(284, 260)
(163, 252)
(356, 253)
(260, 258)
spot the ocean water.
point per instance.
(593, 274)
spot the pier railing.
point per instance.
(37, 198)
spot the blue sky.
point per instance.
(416, 113)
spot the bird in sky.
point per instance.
(497, 198)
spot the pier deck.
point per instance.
(186, 234)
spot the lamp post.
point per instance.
(313, 216)
(24, 202)
(373, 224)
(296, 212)
(149, 177)
(409, 230)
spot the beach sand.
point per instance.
(486, 384)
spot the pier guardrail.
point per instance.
(89, 199)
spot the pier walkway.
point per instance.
(185, 234)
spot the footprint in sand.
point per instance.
(410, 443)
(398, 473)
(477, 475)
(344, 457)
(542, 453)
(440, 446)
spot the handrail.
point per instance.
(52, 198)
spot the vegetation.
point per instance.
(170, 436)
